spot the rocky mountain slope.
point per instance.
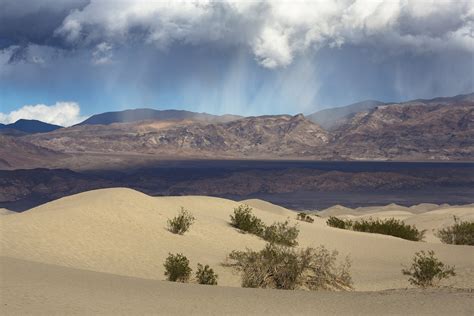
(264, 136)
(437, 129)
(415, 130)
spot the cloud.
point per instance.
(276, 31)
(61, 113)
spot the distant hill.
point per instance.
(330, 119)
(136, 115)
(22, 127)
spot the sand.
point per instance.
(123, 232)
(28, 288)
(4, 211)
(428, 217)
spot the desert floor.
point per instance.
(102, 252)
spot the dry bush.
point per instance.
(304, 217)
(426, 270)
(177, 268)
(244, 220)
(460, 233)
(281, 233)
(206, 275)
(281, 267)
(181, 223)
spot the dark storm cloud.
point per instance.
(31, 21)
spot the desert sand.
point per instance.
(117, 239)
(428, 217)
(28, 288)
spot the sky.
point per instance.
(64, 60)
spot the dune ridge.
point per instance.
(123, 232)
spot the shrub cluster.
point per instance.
(460, 233)
(244, 220)
(279, 233)
(339, 223)
(282, 267)
(304, 217)
(426, 270)
(205, 275)
(177, 270)
(181, 223)
(391, 226)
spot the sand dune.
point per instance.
(123, 232)
(429, 217)
(4, 211)
(28, 288)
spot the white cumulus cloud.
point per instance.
(61, 113)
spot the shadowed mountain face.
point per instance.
(23, 127)
(136, 115)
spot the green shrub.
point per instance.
(205, 275)
(304, 217)
(338, 223)
(281, 233)
(281, 267)
(181, 223)
(391, 226)
(426, 270)
(177, 268)
(460, 233)
(244, 220)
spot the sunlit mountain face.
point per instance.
(63, 61)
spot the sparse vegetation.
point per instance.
(282, 267)
(206, 275)
(281, 233)
(426, 270)
(304, 217)
(339, 223)
(244, 220)
(177, 268)
(181, 223)
(391, 226)
(460, 233)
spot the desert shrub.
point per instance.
(244, 220)
(205, 275)
(304, 217)
(338, 223)
(281, 233)
(426, 270)
(391, 226)
(177, 268)
(460, 233)
(181, 223)
(282, 267)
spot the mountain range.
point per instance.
(23, 127)
(436, 129)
